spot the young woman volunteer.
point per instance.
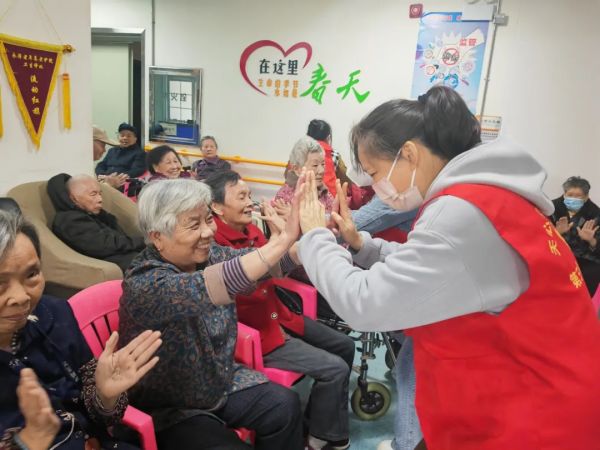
(505, 335)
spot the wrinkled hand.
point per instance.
(563, 226)
(282, 208)
(588, 231)
(115, 180)
(275, 222)
(41, 422)
(312, 211)
(118, 371)
(292, 226)
(343, 219)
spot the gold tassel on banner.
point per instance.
(1, 126)
(66, 94)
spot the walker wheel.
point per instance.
(374, 404)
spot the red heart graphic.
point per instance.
(267, 43)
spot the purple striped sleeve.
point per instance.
(287, 264)
(236, 280)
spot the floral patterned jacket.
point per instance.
(198, 321)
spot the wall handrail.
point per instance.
(263, 181)
(237, 159)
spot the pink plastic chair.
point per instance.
(248, 342)
(97, 312)
(596, 300)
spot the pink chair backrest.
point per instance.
(596, 300)
(247, 347)
(97, 312)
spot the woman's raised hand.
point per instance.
(282, 208)
(343, 219)
(119, 370)
(312, 211)
(275, 222)
(41, 422)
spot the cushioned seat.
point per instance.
(67, 271)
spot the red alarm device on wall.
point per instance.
(415, 11)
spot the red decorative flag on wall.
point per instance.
(31, 68)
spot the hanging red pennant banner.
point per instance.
(31, 68)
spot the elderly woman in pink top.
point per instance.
(308, 154)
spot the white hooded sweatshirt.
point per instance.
(454, 262)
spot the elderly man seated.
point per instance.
(307, 346)
(83, 225)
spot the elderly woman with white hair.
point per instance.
(184, 285)
(306, 154)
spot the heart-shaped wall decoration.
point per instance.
(268, 43)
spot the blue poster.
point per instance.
(450, 52)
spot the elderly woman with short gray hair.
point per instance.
(306, 154)
(184, 285)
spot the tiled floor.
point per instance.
(366, 435)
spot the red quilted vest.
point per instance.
(529, 377)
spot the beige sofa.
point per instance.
(67, 271)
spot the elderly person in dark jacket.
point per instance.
(74, 396)
(184, 285)
(211, 163)
(576, 218)
(128, 158)
(83, 225)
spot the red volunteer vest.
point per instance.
(529, 377)
(329, 175)
(262, 309)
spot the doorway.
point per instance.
(118, 78)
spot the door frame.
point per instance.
(135, 38)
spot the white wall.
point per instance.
(110, 86)
(544, 81)
(60, 150)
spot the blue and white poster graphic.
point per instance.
(450, 52)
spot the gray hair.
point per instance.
(302, 148)
(8, 232)
(162, 201)
(11, 224)
(577, 183)
(75, 180)
(299, 155)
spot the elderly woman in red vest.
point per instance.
(505, 336)
(335, 168)
(290, 341)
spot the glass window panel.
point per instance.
(186, 114)
(175, 114)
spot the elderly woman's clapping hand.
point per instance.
(41, 422)
(275, 222)
(312, 211)
(119, 370)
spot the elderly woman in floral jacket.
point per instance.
(74, 396)
(184, 285)
(306, 154)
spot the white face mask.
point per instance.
(359, 177)
(401, 201)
